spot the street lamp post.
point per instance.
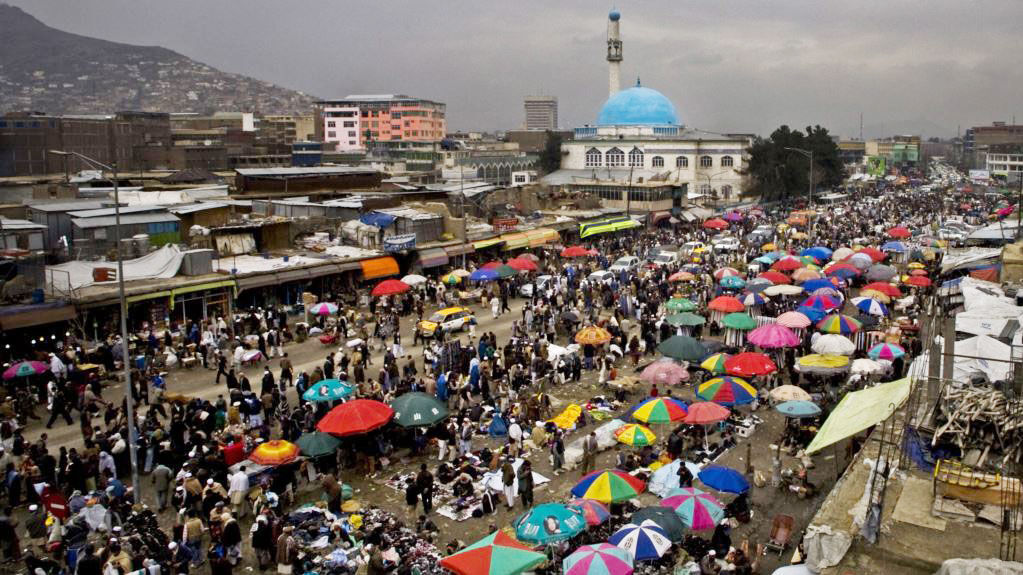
(809, 155)
(128, 398)
(709, 178)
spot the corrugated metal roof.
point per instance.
(325, 170)
(192, 208)
(409, 213)
(66, 206)
(11, 225)
(111, 211)
(104, 221)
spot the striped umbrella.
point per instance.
(715, 363)
(722, 273)
(660, 410)
(727, 391)
(889, 351)
(841, 324)
(870, 306)
(25, 369)
(608, 486)
(822, 302)
(451, 279)
(495, 554)
(646, 541)
(751, 299)
(635, 435)
(793, 320)
(274, 452)
(599, 559)
(323, 309)
(697, 509)
(594, 512)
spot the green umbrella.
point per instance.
(687, 318)
(418, 409)
(677, 304)
(682, 347)
(327, 390)
(505, 271)
(740, 321)
(317, 443)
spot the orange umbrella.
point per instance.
(593, 335)
(274, 452)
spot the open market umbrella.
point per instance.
(727, 391)
(783, 290)
(789, 392)
(705, 413)
(323, 309)
(726, 304)
(837, 323)
(678, 304)
(804, 275)
(522, 265)
(355, 417)
(575, 252)
(664, 372)
(916, 281)
(317, 444)
(820, 253)
(635, 435)
(787, 264)
(723, 479)
(451, 279)
(495, 554)
(822, 364)
(608, 486)
(883, 287)
(842, 270)
(492, 265)
(889, 351)
(327, 390)
(390, 287)
(750, 364)
(592, 335)
(682, 276)
(798, 409)
(598, 559)
(665, 518)
(874, 253)
(697, 509)
(899, 232)
(505, 271)
(773, 336)
(721, 273)
(274, 452)
(593, 512)
(418, 409)
(682, 347)
(484, 275)
(414, 279)
(870, 306)
(646, 541)
(775, 277)
(881, 272)
(715, 363)
(739, 321)
(686, 318)
(715, 224)
(660, 410)
(834, 344)
(732, 282)
(549, 523)
(822, 302)
(751, 299)
(897, 247)
(25, 369)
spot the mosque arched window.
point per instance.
(593, 157)
(726, 161)
(657, 162)
(726, 191)
(615, 158)
(706, 161)
(681, 162)
(636, 158)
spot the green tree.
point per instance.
(550, 158)
(777, 173)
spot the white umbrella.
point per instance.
(413, 279)
(783, 289)
(866, 366)
(833, 344)
(789, 393)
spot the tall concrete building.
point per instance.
(541, 112)
(356, 122)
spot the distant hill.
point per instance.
(49, 70)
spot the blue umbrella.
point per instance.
(844, 273)
(870, 306)
(723, 479)
(897, 247)
(811, 285)
(815, 314)
(733, 282)
(819, 252)
(798, 409)
(482, 275)
(327, 390)
(765, 259)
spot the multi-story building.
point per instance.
(279, 132)
(1000, 160)
(897, 150)
(541, 112)
(979, 139)
(851, 152)
(357, 121)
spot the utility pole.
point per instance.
(628, 194)
(461, 197)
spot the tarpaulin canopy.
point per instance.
(379, 268)
(515, 241)
(859, 410)
(378, 219)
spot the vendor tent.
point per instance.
(859, 410)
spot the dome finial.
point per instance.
(638, 85)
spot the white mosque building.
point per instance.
(639, 145)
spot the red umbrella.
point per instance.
(522, 265)
(787, 264)
(390, 287)
(918, 272)
(355, 417)
(491, 265)
(715, 224)
(749, 364)
(775, 277)
(899, 232)
(917, 281)
(885, 288)
(874, 253)
(704, 412)
(831, 270)
(727, 304)
(575, 252)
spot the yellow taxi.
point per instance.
(448, 320)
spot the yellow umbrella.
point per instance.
(874, 294)
(274, 452)
(768, 247)
(827, 361)
(592, 335)
(451, 279)
(916, 266)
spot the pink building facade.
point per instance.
(355, 121)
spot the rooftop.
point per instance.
(105, 221)
(303, 172)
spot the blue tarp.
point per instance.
(378, 219)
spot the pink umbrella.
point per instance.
(794, 320)
(773, 336)
(665, 372)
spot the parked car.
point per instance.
(448, 320)
(667, 259)
(625, 263)
(541, 284)
(689, 247)
(726, 244)
(601, 276)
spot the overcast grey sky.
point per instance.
(921, 66)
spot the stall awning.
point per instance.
(515, 241)
(379, 268)
(859, 410)
(200, 287)
(433, 257)
(15, 317)
(489, 242)
(658, 216)
(541, 236)
(292, 275)
(257, 281)
(145, 296)
(459, 249)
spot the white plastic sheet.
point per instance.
(161, 264)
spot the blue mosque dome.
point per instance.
(614, 15)
(638, 106)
